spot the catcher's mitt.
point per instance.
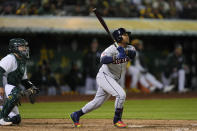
(31, 94)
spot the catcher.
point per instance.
(12, 73)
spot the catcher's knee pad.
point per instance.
(15, 119)
(14, 96)
(12, 100)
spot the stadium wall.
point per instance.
(55, 24)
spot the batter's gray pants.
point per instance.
(107, 86)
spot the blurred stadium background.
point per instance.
(60, 33)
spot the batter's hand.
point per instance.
(122, 53)
(2, 91)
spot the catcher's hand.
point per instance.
(31, 93)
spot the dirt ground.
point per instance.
(102, 125)
(105, 124)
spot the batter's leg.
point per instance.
(122, 79)
(99, 99)
(112, 87)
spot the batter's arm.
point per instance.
(113, 59)
(107, 59)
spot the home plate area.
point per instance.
(102, 125)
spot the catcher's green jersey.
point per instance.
(15, 69)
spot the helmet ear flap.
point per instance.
(120, 38)
(117, 36)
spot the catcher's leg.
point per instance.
(1, 102)
(11, 101)
(14, 116)
(15, 119)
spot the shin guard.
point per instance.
(12, 100)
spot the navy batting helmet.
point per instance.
(117, 34)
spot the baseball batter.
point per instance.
(114, 60)
(12, 73)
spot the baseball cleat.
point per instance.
(5, 123)
(120, 124)
(75, 119)
(77, 125)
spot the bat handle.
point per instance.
(116, 44)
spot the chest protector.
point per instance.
(15, 77)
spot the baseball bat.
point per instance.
(101, 20)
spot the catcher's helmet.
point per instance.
(117, 34)
(17, 42)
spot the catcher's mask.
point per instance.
(14, 45)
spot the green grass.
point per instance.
(177, 109)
